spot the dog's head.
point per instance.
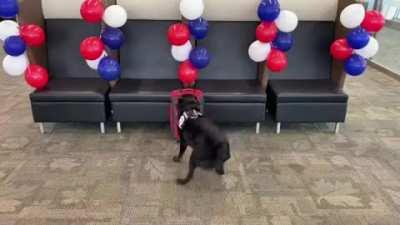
(188, 103)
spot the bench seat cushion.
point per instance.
(133, 90)
(242, 91)
(305, 91)
(136, 90)
(72, 90)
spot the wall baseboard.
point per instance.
(385, 70)
(392, 24)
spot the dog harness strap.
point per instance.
(189, 115)
(182, 120)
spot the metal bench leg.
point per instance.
(119, 130)
(102, 128)
(41, 127)
(337, 128)
(258, 128)
(278, 128)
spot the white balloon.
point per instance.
(181, 53)
(352, 16)
(287, 21)
(191, 9)
(8, 28)
(115, 16)
(370, 50)
(94, 64)
(258, 51)
(15, 65)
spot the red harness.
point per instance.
(174, 112)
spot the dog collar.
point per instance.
(189, 115)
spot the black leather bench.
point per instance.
(75, 93)
(306, 92)
(149, 74)
(233, 92)
(135, 100)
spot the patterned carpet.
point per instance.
(306, 176)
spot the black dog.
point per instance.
(210, 146)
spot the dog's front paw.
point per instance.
(220, 171)
(181, 181)
(176, 159)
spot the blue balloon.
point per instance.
(355, 65)
(8, 9)
(283, 41)
(14, 46)
(358, 38)
(198, 28)
(268, 10)
(113, 38)
(199, 57)
(109, 69)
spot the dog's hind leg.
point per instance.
(182, 149)
(219, 167)
(223, 154)
(189, 176)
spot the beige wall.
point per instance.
(152, 9)
(68, 9)
(64, 9)
(239, 10)
(246, 10)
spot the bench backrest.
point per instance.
(228, 44)
(146, 53)
(309, 58)
(63, 40)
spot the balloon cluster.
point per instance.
(192, 59)
(359, 44)
(273, 35)
(16, 41)
(93, 49)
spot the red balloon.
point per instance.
(36, 76)
(374, 21)
(187, 72)
(266, 31)
(92, 11)
(178, 34)
(32, 34)
(277, 61)
(92, 48)
(341, 50)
